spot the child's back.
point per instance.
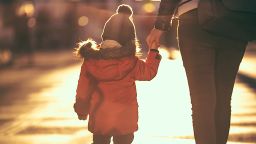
(107, 84)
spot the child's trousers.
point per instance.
(119, 139)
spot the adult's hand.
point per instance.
(153, 39)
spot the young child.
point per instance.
(106, 87)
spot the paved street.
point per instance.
(36, 104)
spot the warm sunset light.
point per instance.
(164, 106)
(51, 76)
(169, 53)
(164, 53)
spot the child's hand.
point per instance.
(154, 45)
(82, 117)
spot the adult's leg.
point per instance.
(199, 54)
(123, 139)
(228, 58)
(101, 139)
(211, 63)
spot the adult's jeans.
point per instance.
(211, 63)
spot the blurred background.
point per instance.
(39, 73)
(28, 26)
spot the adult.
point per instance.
(211, 63)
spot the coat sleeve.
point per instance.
(147, 70)
(165, 12)
(85, 88)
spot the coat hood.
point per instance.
(111, 61)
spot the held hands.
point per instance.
(153, 39)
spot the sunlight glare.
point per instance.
(62, 90)
(164, 53)
(164, 104)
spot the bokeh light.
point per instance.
(83, 21)
(31, 22)
(26, 9)
(5, 56)
(149, 7)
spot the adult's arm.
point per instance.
(165, 12)
(162, 23)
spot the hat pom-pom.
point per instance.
(124, 9)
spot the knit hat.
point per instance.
(119, 26)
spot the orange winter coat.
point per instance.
(106, 90)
